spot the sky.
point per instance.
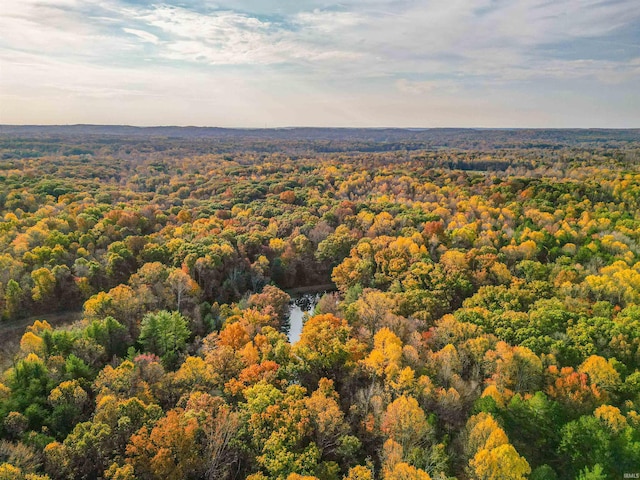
(356, 63)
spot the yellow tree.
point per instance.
(404, 471)
(405, 422)
(359, 473)
(601, 372)
(500, 463)
(324, 346)
(44, 283)
(386, 355)
(32, 343)
(327, 419)
(493, 457)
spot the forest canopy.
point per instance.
(483, 319)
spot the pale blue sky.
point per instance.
(256, 63)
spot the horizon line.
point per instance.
(294, 127)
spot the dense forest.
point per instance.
(483, 321)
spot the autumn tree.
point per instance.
(324, 348)
(169, 450)
(405, 423)
(492, 456)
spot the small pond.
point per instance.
(297, 308)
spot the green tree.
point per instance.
(109, 333)
(165, 334)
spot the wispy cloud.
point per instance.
(142, 35)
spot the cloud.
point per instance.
(359, 60)
(222, 37)
(63, 29)
(226, 37)
(328, 22)
(141, 34)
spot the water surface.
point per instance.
(297, 309)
